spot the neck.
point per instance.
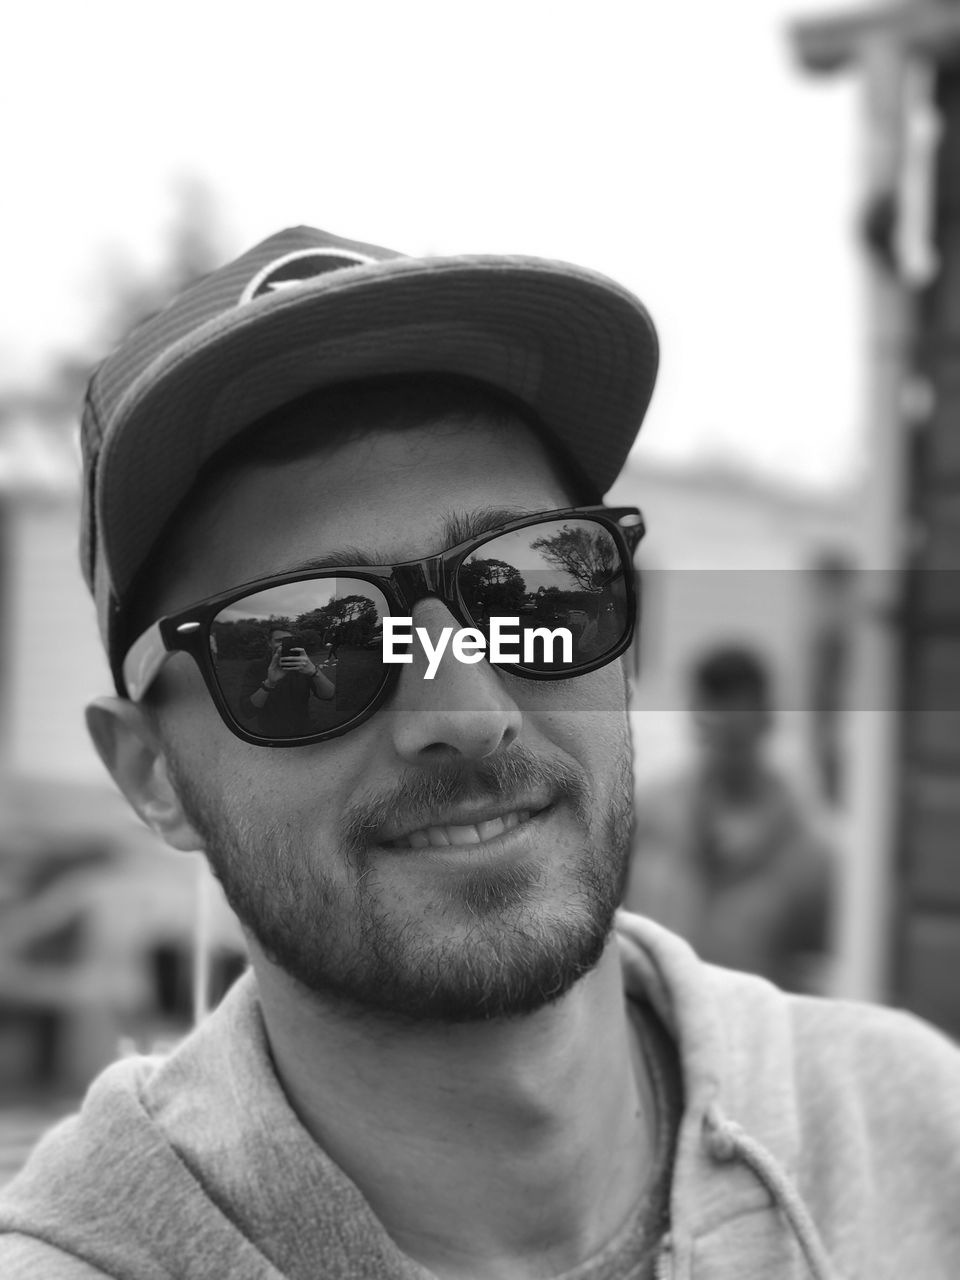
(510, 1148)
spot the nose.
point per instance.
(465, 712)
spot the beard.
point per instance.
(497, 941)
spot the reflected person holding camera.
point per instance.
(277, 694)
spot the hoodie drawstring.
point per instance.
(727, 1141)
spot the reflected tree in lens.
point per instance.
(586, 553)
(491, 589)
(592, 606)
(352, 620)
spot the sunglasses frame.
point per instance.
(403, 585)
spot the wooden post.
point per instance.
(896, 942)
(890, 48)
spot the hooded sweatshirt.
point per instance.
(818, 1139)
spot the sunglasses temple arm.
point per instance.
(144, 660)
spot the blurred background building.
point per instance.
(800, 472)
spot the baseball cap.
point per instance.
(305, 309)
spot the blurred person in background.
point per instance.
(451, 1056)
(727, 852)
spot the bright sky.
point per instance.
(670, 144)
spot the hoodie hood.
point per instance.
(195, 1165)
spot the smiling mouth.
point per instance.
(442, 837)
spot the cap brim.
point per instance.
(574, 345)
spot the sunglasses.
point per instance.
(299, 658)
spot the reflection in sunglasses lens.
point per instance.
(559, 574)
(267, 646)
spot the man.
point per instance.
(278, 691)
(725, 852)
(446, 1060)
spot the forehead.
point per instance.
(388, 496)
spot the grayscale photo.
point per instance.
(480, 666)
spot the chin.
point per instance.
(502, 946)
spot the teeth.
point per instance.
(443, 837)
(462, 835)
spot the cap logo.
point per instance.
(299, 267)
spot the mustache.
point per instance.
(420, 793)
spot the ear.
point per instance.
(128, 745)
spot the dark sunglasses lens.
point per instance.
(277, 637)
(561, 574)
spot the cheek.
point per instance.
(586, 717)
(189, 722)
(262, 785)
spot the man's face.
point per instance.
(459, 855)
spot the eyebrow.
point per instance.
(457, 527)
